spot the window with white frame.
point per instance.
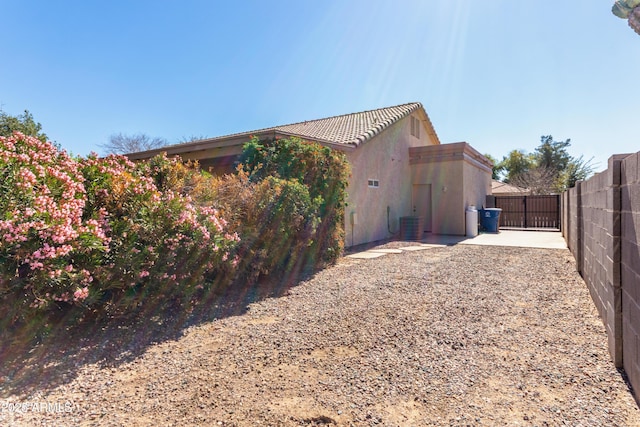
(374, 183)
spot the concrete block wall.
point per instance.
(601, 224)
(564, 218)
(630, 266)
(600, 250)
(570, 227)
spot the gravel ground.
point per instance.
(458, 335)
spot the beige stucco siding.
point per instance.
(477, 184)
(384, 158)
(459, 176)
(446, 180)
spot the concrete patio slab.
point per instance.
(366, 255)
(387, 251)
(414, 248)
(515, 238)
(522, 239)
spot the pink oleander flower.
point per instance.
(81, 294)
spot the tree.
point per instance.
(549, 169)
(497, 168)
(516, 163)
(577, 170)
(538, 180)
(552, 154)
(123, 144)
(567, 169)
(191, 138)
(23, 123)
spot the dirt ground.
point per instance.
(452, 335)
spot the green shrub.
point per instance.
(86, 232)
(104, 232)
(163, 245)
(276, 220)
(47, 243)
(325, 172)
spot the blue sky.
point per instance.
(495, 73)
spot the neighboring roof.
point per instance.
(504, 188)
(347, 130)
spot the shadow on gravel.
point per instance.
(625, 378)
(50, 353)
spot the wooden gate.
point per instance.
(529, 211)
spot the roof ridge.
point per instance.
(373, 122)
(357, 130)
(416, 104)
(388, 122)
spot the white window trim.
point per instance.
(373, 183)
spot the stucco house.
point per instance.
(399, 168)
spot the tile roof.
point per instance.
(353, 128)
(347, 130)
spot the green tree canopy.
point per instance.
(516, 163)
(549, 169)
(552, 154)
(22, 123)
(497, 168)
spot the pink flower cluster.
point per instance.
(42, 202)
(59, 216)
(81, 294)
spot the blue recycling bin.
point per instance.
(490, 219)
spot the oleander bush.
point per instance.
(285, 201)
(88, 232)
(163, 243)
(105, 234)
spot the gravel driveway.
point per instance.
(455, 335)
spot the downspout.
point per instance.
(389, 220)
(353, 221)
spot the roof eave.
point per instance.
(431, 131)
(230, 141)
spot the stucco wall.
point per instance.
(447, 195)
(459, 177)
(386, 159)
(477, 184)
